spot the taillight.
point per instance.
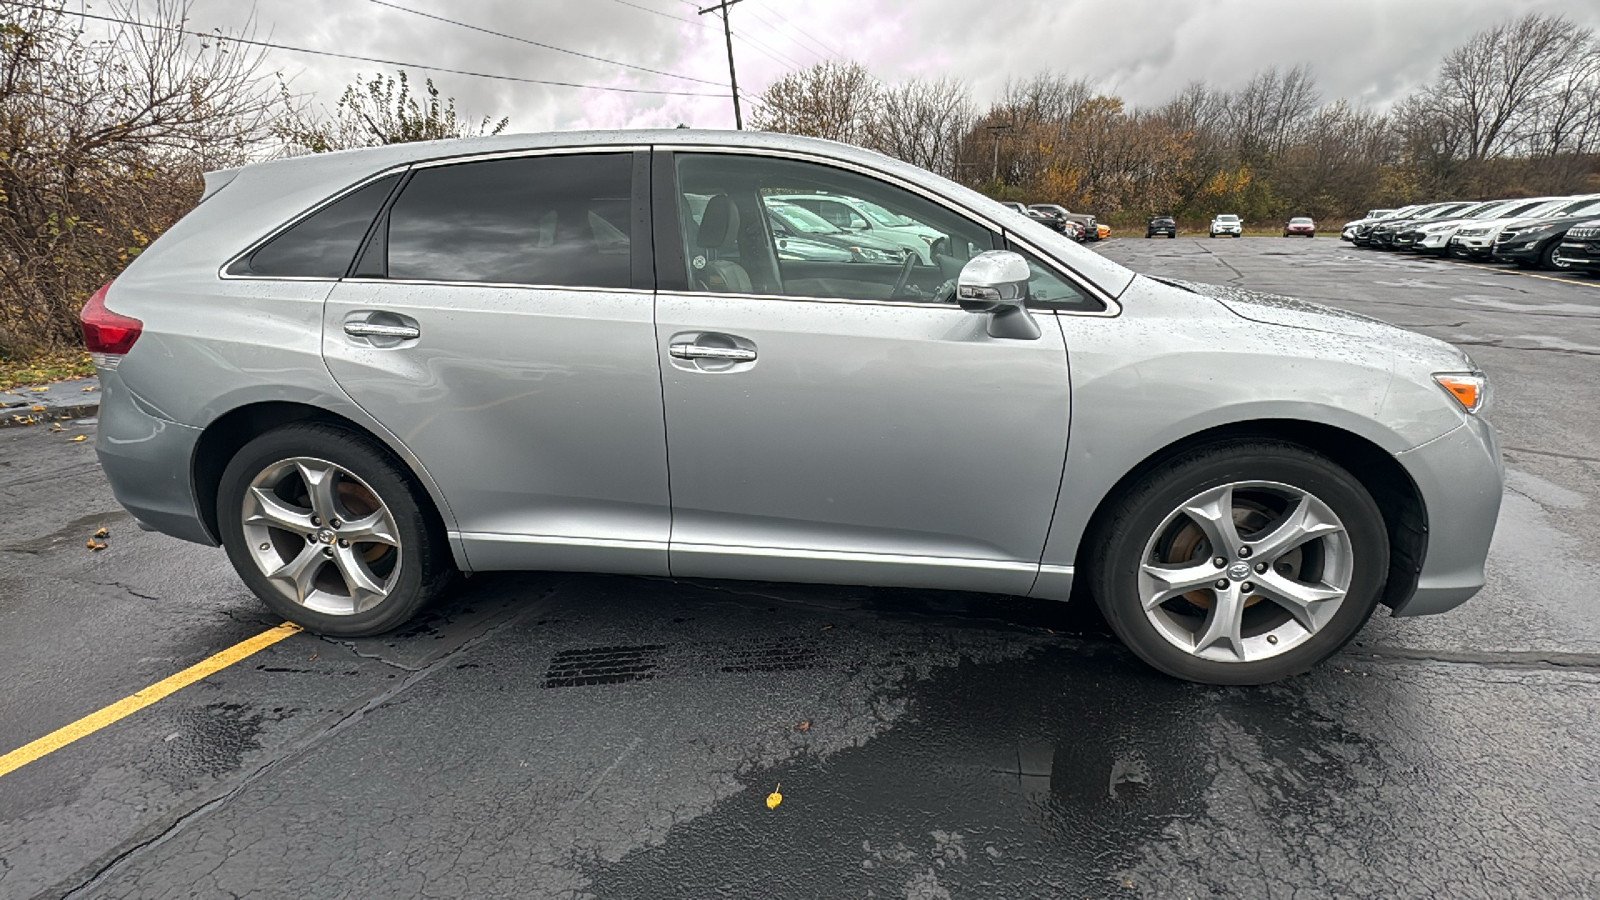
(106, 334)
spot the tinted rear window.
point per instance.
(322, 244)
(547, 220)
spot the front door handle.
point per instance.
(700, 351)
(377, 329)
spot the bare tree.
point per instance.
(102, 142)
(1493, 87)
(377, 112)
(830, 100)
(922, 122)
(1264, 115)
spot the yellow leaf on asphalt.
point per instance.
(90, 388)
(38, 409)
(102, 532)
(95, 545)
(41, 388)
(774, 798)
(78, 438)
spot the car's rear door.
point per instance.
(500, 324)
(823, 426)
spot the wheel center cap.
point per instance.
(1239, 571)
(327, 536)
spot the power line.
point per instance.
(213, 36)
(512, 37)
(666, 14)
(784, 33)
(808, 35)
(769, 52)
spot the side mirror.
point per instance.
(996, 282)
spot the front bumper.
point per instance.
(1461, 480)
(1583, 255)
(1517, 251)
(1477, 247)
(147, 460)
(1435, 243)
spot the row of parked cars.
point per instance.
(1081, 227)
(1557, 233)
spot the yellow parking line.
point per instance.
(1520, 272)
(129, 705)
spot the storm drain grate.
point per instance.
(778, 655)
(603, 665)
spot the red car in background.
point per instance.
(1300, 225)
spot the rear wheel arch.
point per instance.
(227, 434)
(1392, 488)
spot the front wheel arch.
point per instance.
(1391, 486)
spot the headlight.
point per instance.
(870, 255)
(1470, 389)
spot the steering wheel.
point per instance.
(905, 275)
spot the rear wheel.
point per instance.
(330, 531)
(1240, 563)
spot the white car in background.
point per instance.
(851, 214)
(1477, 241)
(1434, 237)
(1227, 224)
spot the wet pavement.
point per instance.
(587, 736)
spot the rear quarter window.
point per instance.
(322, 244)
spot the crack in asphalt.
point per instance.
(1595, 459)
(376, 657)
(1511, 659)
(1501, 344)
(302, 746)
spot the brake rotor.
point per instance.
(1190, 544)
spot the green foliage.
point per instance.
(377, 112)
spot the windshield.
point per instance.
(1479, 211)
(1302, 220)
(1577, 208)
(1228, 219)
(882, 216)
(802, 220)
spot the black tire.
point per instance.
(1172, 235)
(426, 569)
(1549, 257)
(1117, 543)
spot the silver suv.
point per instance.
(364, 372)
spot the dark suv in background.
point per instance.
(1580, 249)
(1537, 244)
(1161, 225)
(1091, 228)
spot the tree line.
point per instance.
(1515, 111)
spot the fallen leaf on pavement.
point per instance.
(38, 409)
(42, 388)
(55, 428)
(90, 388)
(774, 798)
(804, 726)
(102, 532)
(95, 545)
(78, 438)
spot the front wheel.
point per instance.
(1552, 259)
(1240, 563)
(329, 530)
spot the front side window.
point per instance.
(322, 244)
(770, 226)
(541, 220)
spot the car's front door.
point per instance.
(843, 422)
(500, 324)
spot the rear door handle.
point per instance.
(698, 351)
(376, 329)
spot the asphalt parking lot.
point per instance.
(552, 735)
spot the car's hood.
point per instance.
(1273, 309)
(1560, 222)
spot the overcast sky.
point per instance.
(1142, 50)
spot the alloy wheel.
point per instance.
(1245, 571)
(321, 536)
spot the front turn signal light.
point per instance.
(1470, 390)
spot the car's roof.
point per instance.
(263, 195)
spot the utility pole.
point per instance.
(727, 32)
(998, 130)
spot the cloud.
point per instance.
(1145, 50)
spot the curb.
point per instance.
(53, 414)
